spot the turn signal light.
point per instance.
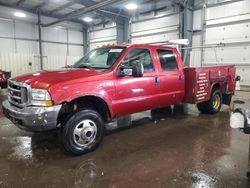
(48, 103)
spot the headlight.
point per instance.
(40, 97)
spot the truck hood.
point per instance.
(45, 79)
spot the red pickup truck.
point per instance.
(109, 82)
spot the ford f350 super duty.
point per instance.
(109, 82)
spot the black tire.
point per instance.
(202, 107)
(159, 113)
(69, 139)
(212, 106)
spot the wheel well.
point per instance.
(90, 102)
(216, 86)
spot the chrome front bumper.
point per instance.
(32, 118)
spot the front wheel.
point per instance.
(212, 106)
(82, 132)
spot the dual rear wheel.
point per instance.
(213, 105)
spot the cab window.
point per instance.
(167, 60)
(139, 55)
(100, 58)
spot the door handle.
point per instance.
(180, 77)
(157, 79)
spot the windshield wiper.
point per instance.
(101, 67)
(84, 66)
(68, 66)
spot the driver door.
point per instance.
(135, 94)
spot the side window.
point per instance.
(167, 60)
(139, 55)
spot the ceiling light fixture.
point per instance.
(19, 14)
(131, 6)
(87, 19)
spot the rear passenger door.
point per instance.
(171, 77)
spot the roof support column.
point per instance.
(85, 40)
(40, 40)
(122, 30)
(187, 28)
(186, 32)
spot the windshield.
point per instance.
(100, 58)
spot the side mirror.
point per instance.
(237, 78)
(137, 70)
(124, 71)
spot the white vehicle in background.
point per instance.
(239, 119)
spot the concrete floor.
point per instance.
(192, 150)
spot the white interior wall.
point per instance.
(155, 29)
(99, 36)
(147, 28)
(228, 24)
(62, 45)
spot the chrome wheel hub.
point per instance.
(85, 132)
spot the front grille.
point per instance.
(17, 93)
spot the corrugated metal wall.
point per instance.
(19, 63)
(23, 63)
(227, 23)
(219, 22)
(19, 48)
(155, 29)
(99, 36)
(147, 28)
(55, 62)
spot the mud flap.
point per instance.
(226, 99)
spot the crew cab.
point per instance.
(109, 82)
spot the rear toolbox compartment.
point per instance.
(200, 80)
(197, 85)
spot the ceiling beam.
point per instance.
(82, 11)
(112, 15)
(101, 23)
(52, 12)
(189, 4)
(41, 5)
(19, 2)
(177, 2)
(154, 10)
(43, 13)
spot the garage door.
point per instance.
(155, 30)
(98, 37)
(229, 27)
